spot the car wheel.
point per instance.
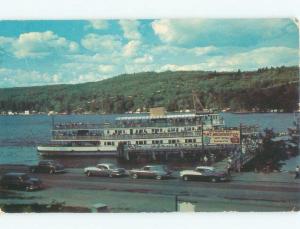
(185, 178)
(134, 176)
(5, 186)
(158, 177)
(214, 180)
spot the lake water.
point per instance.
(19, 135)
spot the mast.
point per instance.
(197, 103)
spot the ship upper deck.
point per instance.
(168, 116)
(144, 121)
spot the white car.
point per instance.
(204, 173)
(106, 169)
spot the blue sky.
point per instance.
(54, 52)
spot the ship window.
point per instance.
(157, 142)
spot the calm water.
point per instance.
(19, 135)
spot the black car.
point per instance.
(47, 166)
(21, 181)
(204, 173)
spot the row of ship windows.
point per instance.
(154, 142)
(141, 131)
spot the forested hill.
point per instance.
(264, 89)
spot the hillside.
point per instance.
(273, 88)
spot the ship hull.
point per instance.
(60, 151)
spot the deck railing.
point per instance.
(90, 126)
(128, 136)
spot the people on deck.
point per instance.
(297, 175)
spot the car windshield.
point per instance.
(160, 168)
(24, 177)
(112, 167)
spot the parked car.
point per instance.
(47, 166)
(20, 181)
(106, 169)
(204, 173)
(151, 171)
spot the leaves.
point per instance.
(264, 89)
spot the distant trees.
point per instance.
(264, 89)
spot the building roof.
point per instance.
(281, 138)
(168, 116)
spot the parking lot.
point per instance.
(246, 192)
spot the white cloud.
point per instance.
(250, 60)
(19, 78)
(180, 51)
(37, 44)
(261, 57)
(177, 31)
(134, 68)
(227, 32)
(130, 29)
(106, 68)
(131, 48)
(101, 43)
(145, 59)
(98, 24)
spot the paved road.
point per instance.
(232, 190)
(239, 189)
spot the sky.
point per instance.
(76, 51)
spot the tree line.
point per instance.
(262, 90)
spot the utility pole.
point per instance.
(202, 138)
(52, 132)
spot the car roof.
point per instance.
(205, 167)
(47, 161)
(158, 165)
(14, 174)
(106, 164)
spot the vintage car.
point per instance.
(47, 166)
(106, 169)
(20, 181)
(151, 171)
(204, 173)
